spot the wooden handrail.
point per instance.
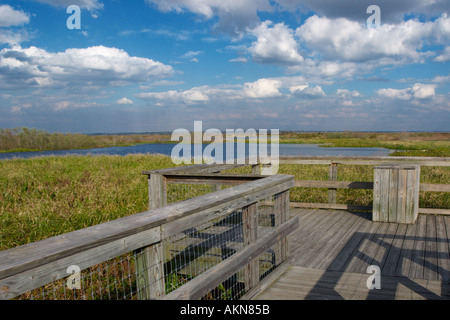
(33, 265)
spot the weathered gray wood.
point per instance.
(250, 234)
(393, 195)
(431, 255)
(332, 176)
(157, 191)
(396, 194)
(219, 178)
(149, 260)
(281, 214)
(239, 197)
(417, 262)
(334, 184)
(20, 283)
(435, 187)
(338, 206)
(326, 160)
(443, 249)
(150, 272)
(205, 282)
(434, 211)
(32, 255)
(297, 283)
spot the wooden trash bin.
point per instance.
(396, 193)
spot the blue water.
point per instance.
(166, 149)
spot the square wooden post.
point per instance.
(332, 176)
(150, 260)
(396, 193)
(281, 214)
(250, 234)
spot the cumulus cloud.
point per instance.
(11, 17)
(391, 11)
(275, 44)
(124, 100)
(444, 56)
(345, 93)
(194, 95)
(263, 88)
(92, 66)
(233, 16)
(307, 91)
(417, 91)
(87, 4)
(351, 41)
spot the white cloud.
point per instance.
(275, 44)
(441, 79)
(13, 38)
(233, 16)
(11, 17)
(93, 66)
(307, 91)
(239, 59)
(444, 56)
(194, 95)
(87, 4)
(417, 91)
(343, 39)
(263, 88)
(345, 93)
(124, 100)
(391, 11)
(191, 54)
(423, 91)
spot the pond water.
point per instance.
(166, 149)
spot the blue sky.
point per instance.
(158, 65)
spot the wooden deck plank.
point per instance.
(304, 239)
(330, 258)
(370, 251)
(416, 267)
(340, 248)
(313, 247)
(430, 263)
(359, 261)
(298, 283)
(393, 257)
(404, 264)
(443, 247)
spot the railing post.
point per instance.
(281, 214)
(396, 193)
(157, 191)
(332, 176)
(250, 234)
(149, 260)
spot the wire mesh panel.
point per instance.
(178, 253)
(183, 191)
(111, 280)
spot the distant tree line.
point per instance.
(23, 139)
(35, 139)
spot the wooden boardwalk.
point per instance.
(331, 251)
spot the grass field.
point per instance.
(46, 196)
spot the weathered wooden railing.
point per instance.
(333, 184)
(146, 234)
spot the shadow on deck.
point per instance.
(331, 251)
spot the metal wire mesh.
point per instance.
(186, 255)
(111, 280)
